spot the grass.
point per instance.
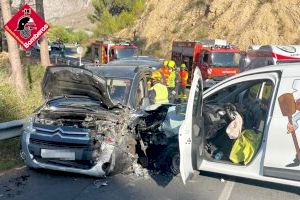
(12, 107)
(9, 154)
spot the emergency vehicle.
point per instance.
(265, 147)
(270, 55)
(103, 52)
(215, 58)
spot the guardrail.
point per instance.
(11, 129)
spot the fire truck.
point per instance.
(215, 58)
(103, 52)
(270, 55)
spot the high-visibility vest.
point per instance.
(161, 93)
(184, 75)
(172, 79)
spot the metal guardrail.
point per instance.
(11, 129)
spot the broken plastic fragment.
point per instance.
(100, 183)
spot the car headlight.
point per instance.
(28, 125)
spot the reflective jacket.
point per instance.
(172, 80)
(161, 93)
(183, 74)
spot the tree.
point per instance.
(113, 15)
(44, 52)
(14, 55)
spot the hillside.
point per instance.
(241, 22)
(71, 13)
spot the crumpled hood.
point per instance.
(66, 80)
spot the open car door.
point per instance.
(191, 131)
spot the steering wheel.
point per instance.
(230, 111)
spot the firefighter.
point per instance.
(164, 70)
(172, 80)
(183, 77)
(158, 93)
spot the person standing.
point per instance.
(183, 77)
(158, 93)
(164, 70)
(171, 84)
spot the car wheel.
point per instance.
(175, 163)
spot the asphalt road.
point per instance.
(50, 185)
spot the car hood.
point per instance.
(66, 80)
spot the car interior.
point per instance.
(250, 100)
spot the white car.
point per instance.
(265, 147)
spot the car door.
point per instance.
(282, 157)
(190, 133)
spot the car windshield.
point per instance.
(225, 59)
(125, 52)
(119, 89)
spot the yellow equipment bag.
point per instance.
(245, 147)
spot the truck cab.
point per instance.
(241, 126)
(104, 52)
(215, 58)
(217, 63)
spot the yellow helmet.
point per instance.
(183, 66)
(171, 64)
(156, 75)
(165, 63)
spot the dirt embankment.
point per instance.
(241, 22)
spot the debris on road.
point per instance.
(100, 183)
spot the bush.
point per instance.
(11, 106)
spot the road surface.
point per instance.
(50, 185)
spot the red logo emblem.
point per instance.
(26, 26)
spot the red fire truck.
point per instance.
(215, 58)
(104, 52)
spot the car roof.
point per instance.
(146, 61)
(118, 71)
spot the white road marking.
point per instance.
(226, 192)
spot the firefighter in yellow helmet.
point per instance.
(164, 70)
(158, 93)
(172, 80)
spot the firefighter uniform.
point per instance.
(159, 92)
(171, 84)
(164, 70)
(183, 77)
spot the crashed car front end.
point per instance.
(78, 129)
(83, 142)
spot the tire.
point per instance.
(175, 163)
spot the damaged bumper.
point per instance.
(31, 153)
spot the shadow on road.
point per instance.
(256, 183)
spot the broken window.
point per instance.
(119, 89)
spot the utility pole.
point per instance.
(44, 52)
(14, 55)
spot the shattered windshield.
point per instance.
(119, 89)
(225, 59)
(125, 52)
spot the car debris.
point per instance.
(100, 183)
